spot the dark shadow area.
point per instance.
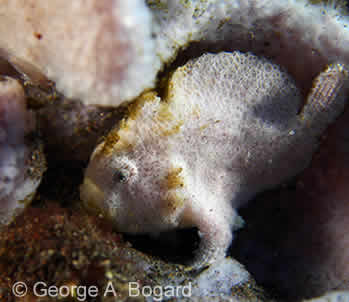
(177, 246)
(61, 182)
(259, 246)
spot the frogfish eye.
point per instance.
(121, 176)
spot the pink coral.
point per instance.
(98, 51)
(21, 161)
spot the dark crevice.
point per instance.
(177, 246)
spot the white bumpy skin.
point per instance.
(22, 161)
(229, 126)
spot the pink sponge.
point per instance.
(21, 162)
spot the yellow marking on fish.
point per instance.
(173, 179)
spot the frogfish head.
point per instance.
(139, 190)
